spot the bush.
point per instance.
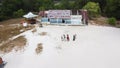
(18, 13)
(112, 21)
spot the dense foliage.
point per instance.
(93, 9)
(112, 21)
(11, 8)
(112, 8)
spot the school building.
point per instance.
(64, 17)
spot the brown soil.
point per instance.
(43, 33)
(12, 21)
(11, 28)
(33, 31)
(39, 48)
(16, 44)
(7, 32)
(99, 21)
(8, 29)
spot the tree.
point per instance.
(29, 5)
(42, 8)
(93, 9)
(80, 3)
(46, 4)
(72, 5)
(65, 4)
(77, 4)
(57, 6)
(102, 4)
(113, 8)
(18, 13)
(9, 6)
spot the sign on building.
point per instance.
(59, 14)
(76, 19)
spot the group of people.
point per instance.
(67, 37)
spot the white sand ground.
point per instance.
(95, 47)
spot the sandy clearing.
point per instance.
(95, 47)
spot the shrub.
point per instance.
(18, 13)
(112, 21)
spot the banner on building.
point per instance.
(59, 14)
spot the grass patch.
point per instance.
(12, 27)
(16, 44)
(39, 48)
(8, 31)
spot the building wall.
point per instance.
(76, 19)
(62, 17)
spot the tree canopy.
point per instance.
(93, 9)
(8, 8)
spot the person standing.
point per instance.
(25, 24)
(68, 38)
(74, 37)
(1, 61)
(64, 37)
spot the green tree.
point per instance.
(9, 6)
(29, 5)
(77, 4)
(65, 4)
(46, 4)
(57, 6)
(18, 13)
(72, 5)
(113, 8)
(93, 9)
(80, 3)
(42, 8)
(102, 4)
